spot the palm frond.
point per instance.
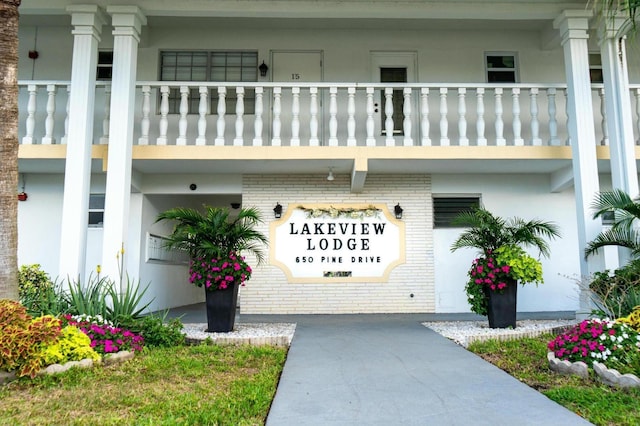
(620, 237)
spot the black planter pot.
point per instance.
(502, 306)
(221, 309)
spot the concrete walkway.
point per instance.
(391, 370)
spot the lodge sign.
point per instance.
(337, 242)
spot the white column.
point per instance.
(624, 173)
(127, 24)
(87, 24)
(573, 27)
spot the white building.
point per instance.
(425, 104)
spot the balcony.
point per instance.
(325, 115)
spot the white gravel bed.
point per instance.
(277, 334)
(467, 332)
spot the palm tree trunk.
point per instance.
(9, 149)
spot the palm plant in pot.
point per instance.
(215, 244)
(502, 261)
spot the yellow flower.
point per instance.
(98, 269)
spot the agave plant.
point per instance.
(487, 232)
(623, 232)
(212, 233)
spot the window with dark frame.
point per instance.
(595, 68)
(446, 209)
(96, 210)
(104, 70)
(227, 66)
(501, 67)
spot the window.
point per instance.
(235, 66)
(608, 218)
(501, 67)
(595, 68)
(105, 65)
(96, 210)
(446, 209)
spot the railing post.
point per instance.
(295, 116)
(222, 109)
(313, 119)
(277, 110)
(444, 123)
(406, 111)
(480, 124)
(371, 139)
(565, 92)
(31, 114)
(146, 110)
(535, 124)
(202, 115)
(388, 111)
(66, 117)
(553, 122)
(239, 139)
(638, 114)
(182, 121)
(257, 123)
(424, 116)
(104, 140)
(603, 123)
(351, 120)
(517, 124)
(500, 140)
(51, 110)
(164, 112)
(462, 120)
(333, 120)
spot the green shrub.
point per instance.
(22, 337)
(617, 293)
(38, 293)
(72, 345)
(156, 330)
(88, 299)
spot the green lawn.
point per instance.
(526, 360)
(188, 385)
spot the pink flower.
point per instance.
(506, 269)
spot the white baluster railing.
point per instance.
(444, 123)
(295, 116)
(313, 117)
(202, 115)
(184, 110)
(31, 114)
(517, 125)
(145, 123)
(106, 120)
(164, 113)
(332, 114)
(257, 122)
(462, 119)
(351, 116)
(277, 110)
(239, 139)
(51, 110)
(500, 140)
(480, 124)
(222, 110)
(535, 124)
(603, 113)
(424, 116)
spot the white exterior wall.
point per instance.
(525, 196)
(268, 290)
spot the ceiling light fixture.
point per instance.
(330, 177)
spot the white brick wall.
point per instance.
(268, 290)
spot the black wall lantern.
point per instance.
(277, 211)
(398, 211)
(263, 69)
